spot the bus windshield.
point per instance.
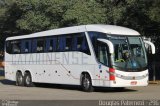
(129, 52)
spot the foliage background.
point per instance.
(18, 17)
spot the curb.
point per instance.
(154, 82)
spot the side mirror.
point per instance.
(109, 43)
(152, 46)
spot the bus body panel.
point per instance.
(62, 68)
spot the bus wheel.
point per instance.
(19, 79)
(28, 80)
(86, 83)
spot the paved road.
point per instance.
(58, 92)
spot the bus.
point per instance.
(87, 55)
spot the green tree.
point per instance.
(154, 11)
(137, 16)
(28, 16)
(85, 12)
(4, 4)
(41, 15)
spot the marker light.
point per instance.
(111, 74)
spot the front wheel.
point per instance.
(87, 83)
(28, 80)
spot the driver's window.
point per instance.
(102, 53)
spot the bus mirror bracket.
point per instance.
(109, 43)
(152, 46)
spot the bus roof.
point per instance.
(110, 29)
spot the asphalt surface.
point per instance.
(9, 91)
(56, 95)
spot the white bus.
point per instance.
(87, 55)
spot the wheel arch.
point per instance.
(86, 72)
(27, 71)
(18, 71)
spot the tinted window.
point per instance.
(59, 43)
(80, 43)
(40, 45)
(8, 47)
(16, 46)
(34, 45)
(102, 54)
(51, 44)
(26, 46)
(94, 36)
(69, 41)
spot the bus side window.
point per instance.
(81, 44)
(16, 47)
(61, 44)
(51, 44)
(54, 43)
(34, 45)
(8, 47)
(40, 45)
(74, 43)
(102, 54)
(26, 46)
(68, 46)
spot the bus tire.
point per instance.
(86, 83)
(28, 80)
(19, 79)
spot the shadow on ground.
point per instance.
(70, 87)
(7, 82)
(78, 88)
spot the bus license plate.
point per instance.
(134, 83)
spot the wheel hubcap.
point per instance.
(20, 79)
(28, 80)
(86, 83)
